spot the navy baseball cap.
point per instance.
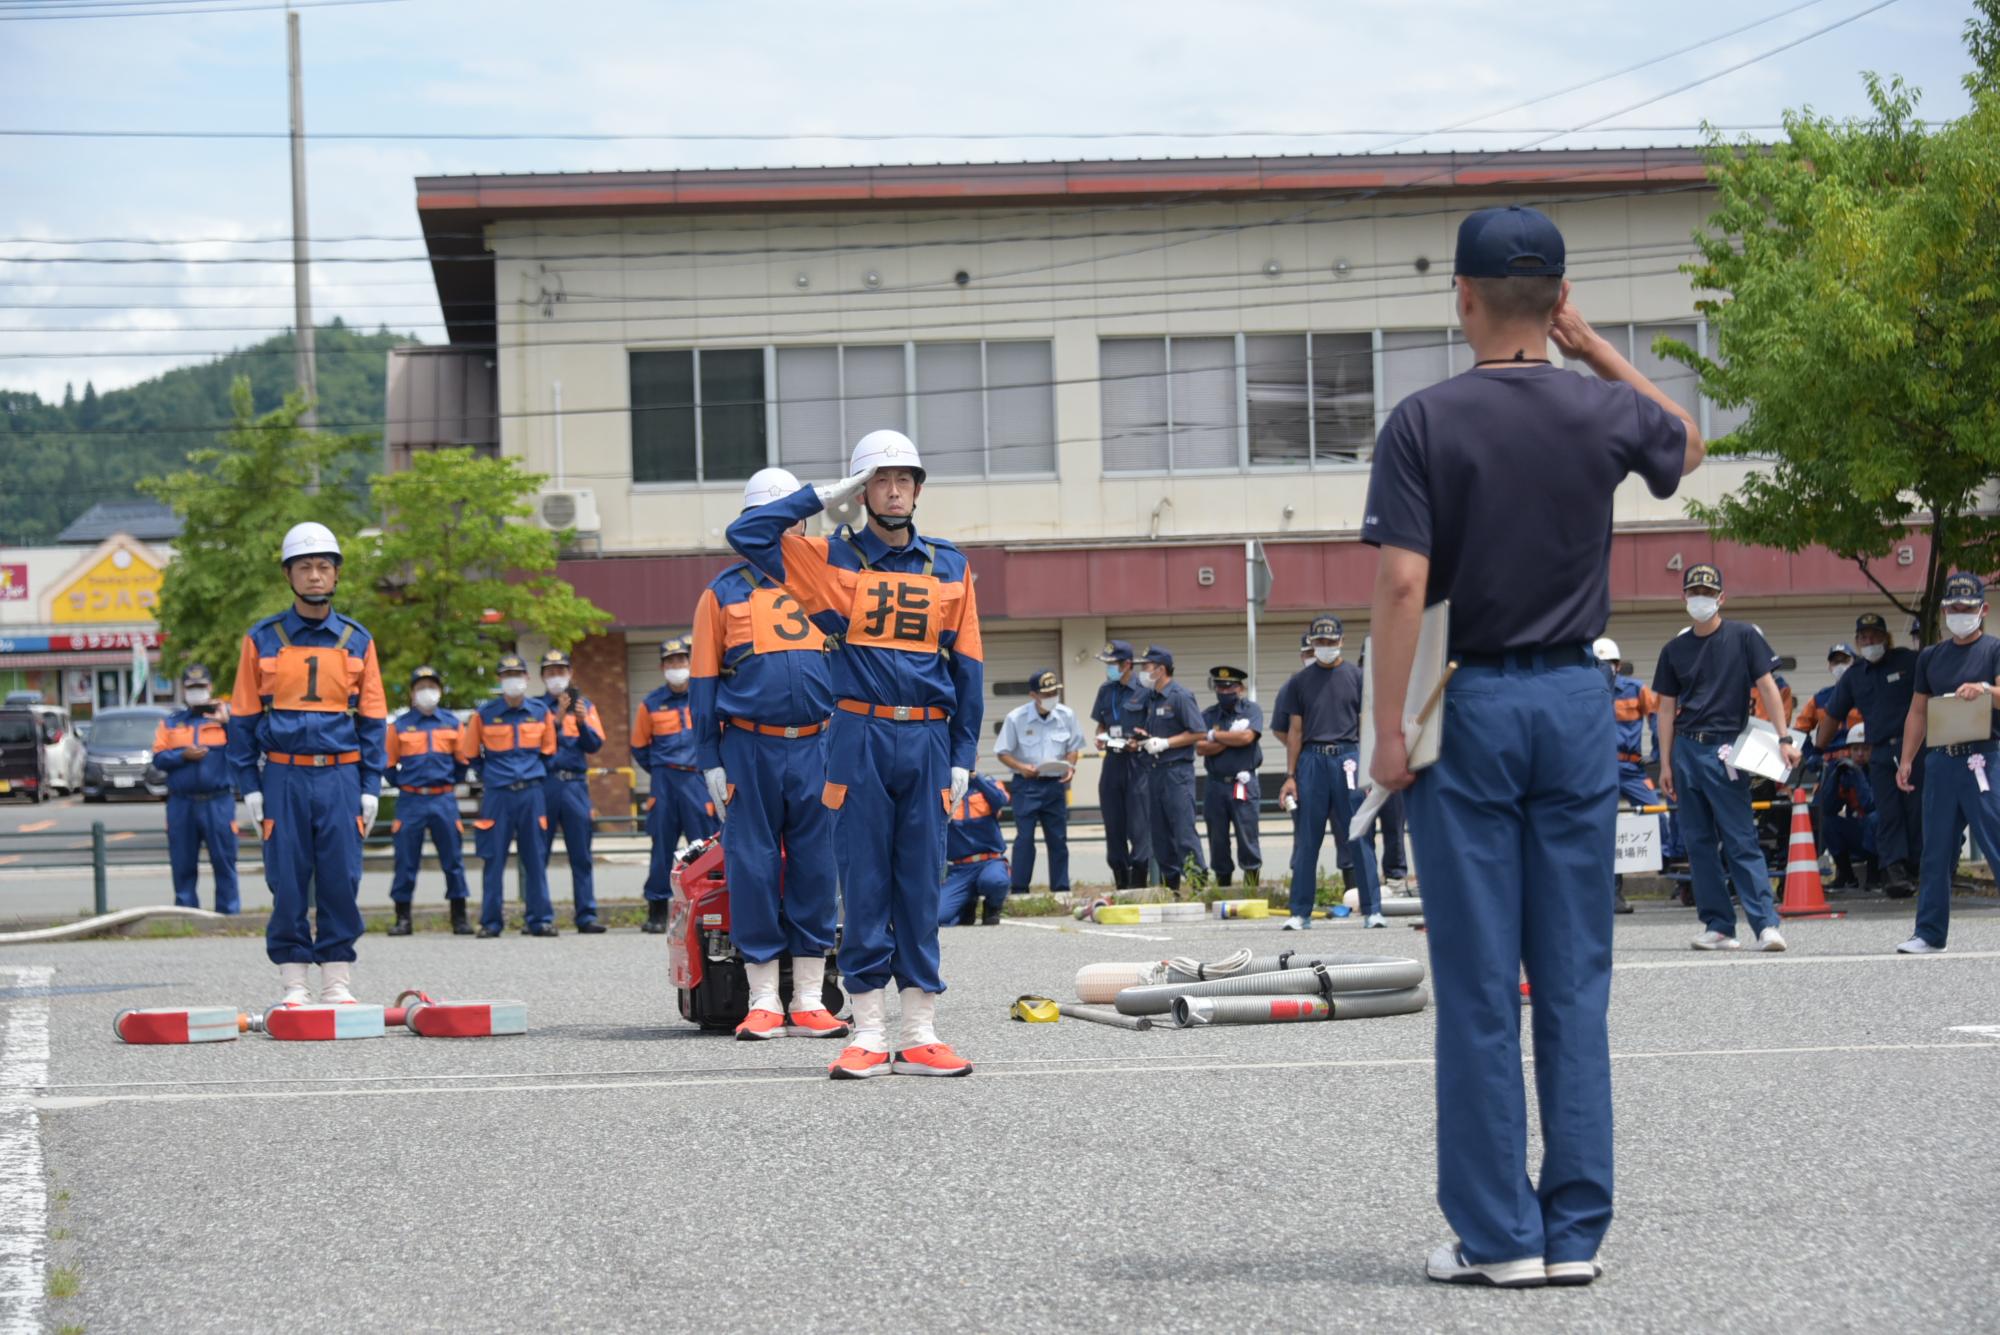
(1158, 657)
(1838, 651)
(675, 648)
(1870, 621)
(1045, 682)
(1305, 641)
(1964, 588)
(1116, 651)
(196, 675)
(555, 658)
(1325, 628)
(1703, 576)
(425, 672)
(511, 663)
(1510, 242)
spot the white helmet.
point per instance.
(885, 449)
(1858, 735)
(310, 539)
(1605, 650)
(767, 485)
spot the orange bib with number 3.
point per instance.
(895, 611)
(778, 624)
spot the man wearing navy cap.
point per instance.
(1322, 773)
(1959, 790)
(1040, 741)
(1173, 725)
(1119, 711)
(1231, 751)
(1881, 686)
(1494, 490)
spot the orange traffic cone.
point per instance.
(1804, 896)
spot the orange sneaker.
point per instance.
(858, 1064)
(820, 1023)
(931, 1059)
(761, 1024)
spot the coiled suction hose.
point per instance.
(1190, 1012)
(1340, 973)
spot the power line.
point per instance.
(133, 10)
(872, 137)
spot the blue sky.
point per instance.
(701, 66)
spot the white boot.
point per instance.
(766, 1017)
(334, 976)
(809, 1017)
(292, 977)
(918, 1051)
(867, 1053)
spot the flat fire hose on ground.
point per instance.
(1365, 974)
(1393, 906)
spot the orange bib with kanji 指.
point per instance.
(895, 611)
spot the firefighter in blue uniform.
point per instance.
(1845, 804)
(1322, 750)
(1637, 711)
(510, 739)
(762, 692)
(1494, 490)
(1039, 736)
(975, 875)
(191, 747)
(425, 770)
(1839, 658)
(663, 745)
(1119, 711)
(908, 698)
(308, 705)
(1881, 687)
(566, 795)
(1173, 725)
(1230, 749)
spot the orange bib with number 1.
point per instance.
(778, 624)
(308, 680)
(895, 611)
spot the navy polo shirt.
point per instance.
(1504, 479)
(1881, 691)
(1943, 668)
(1327, 702)
(1241, 712)
(1711, 676)
(1172, 712)
(1120, 708)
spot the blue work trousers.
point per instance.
(680, 811)
(889, 781)
(1041, 804)
(1899, 816)
(1721, 832)
(195, 823)
(513, 817)
(1952, 803)
(567, 802)
(313, 816)
(967, 884)
(1170, 812)
(1517, 821)
(1228, 815)
(435, 814)
(1325, 799)
(1128, 839)
(777, 846)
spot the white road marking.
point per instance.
(1747, 960)
(24, 1204)
(63, 1103)
(1983, 1030)
(1087, 931)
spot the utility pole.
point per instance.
(308, 376)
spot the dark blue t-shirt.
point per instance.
(1171, 711)
(1328, 703)
(1943, 668)
(1240, 713)
(1881, 691)
(1711, 676)
(1504, 479)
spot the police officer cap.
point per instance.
(1045, 682)
(196, 675)
(1158, 657)
(425, 672)
(1703, 576)
(1510, 242)
(1839, 651)
(1324, 628)
(555, 658)
(1117, 651)
(1870, 621)
(1964, 588)
(512, 663)
(1305, 641)
(1227, 676)
(675, 649)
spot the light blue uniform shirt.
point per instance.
(1034, 740)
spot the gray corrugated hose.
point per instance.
(1341, 973)
(1190, 1012)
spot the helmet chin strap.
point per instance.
(894, 523)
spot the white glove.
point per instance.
(835, 494)
(254, 804)
(1155, 745)
(718, 790)
(370, 804)
(961, 779)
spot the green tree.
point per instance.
(1857, 316)
(237, 500)
(451, 580)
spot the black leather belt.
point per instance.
(1539, 658)
(1329, 748)
(206, 797)
(1965, 748)
(1707, 738)
(518, 787)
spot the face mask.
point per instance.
(1326, 654)
(1870, 653)
(676, 677)
(557, 685)
(426, 698)
(1839, 670)
(1702, 609)
(1043, 707)
(1148, 678)
(894, 523)
(1111, 672)
(1228, 700)
(197, 696)
(1960, 624)
(513, 687)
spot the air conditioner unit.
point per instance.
(570, 507)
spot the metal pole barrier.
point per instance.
(97, 859)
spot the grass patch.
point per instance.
(72, 1328)
(1032, 906)
(169, 928)
(65, 1281)
(62, 1198)
(59, 1234)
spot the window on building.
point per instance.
(1679, 383)
(1169, 404)
(698, 416)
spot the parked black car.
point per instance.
(23, 767)
(118, 759)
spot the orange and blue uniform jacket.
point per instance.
(576, 739)
(975, 821)
(307, 688)
(184, 728)
(1811, 712)
(757, 657)
(663, 731)
(508, 743)
(423, 750)
(905, 618)
(1635, 707)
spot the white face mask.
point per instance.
(557, 684)
(1870, 653)
(1044, 706)
(1148, 678)
(197, 696)
(513, 687)
(1703, 609)
(1838, 670)
(426, 698)
(1960, 624)
(1326, 654)
(676, 677)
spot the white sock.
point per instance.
(808, 983)
(919, 1026)
(334, 979)
(871, 1025)
(764, 986)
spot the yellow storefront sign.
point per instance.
(120, 586)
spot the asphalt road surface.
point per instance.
(1805, 1143)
